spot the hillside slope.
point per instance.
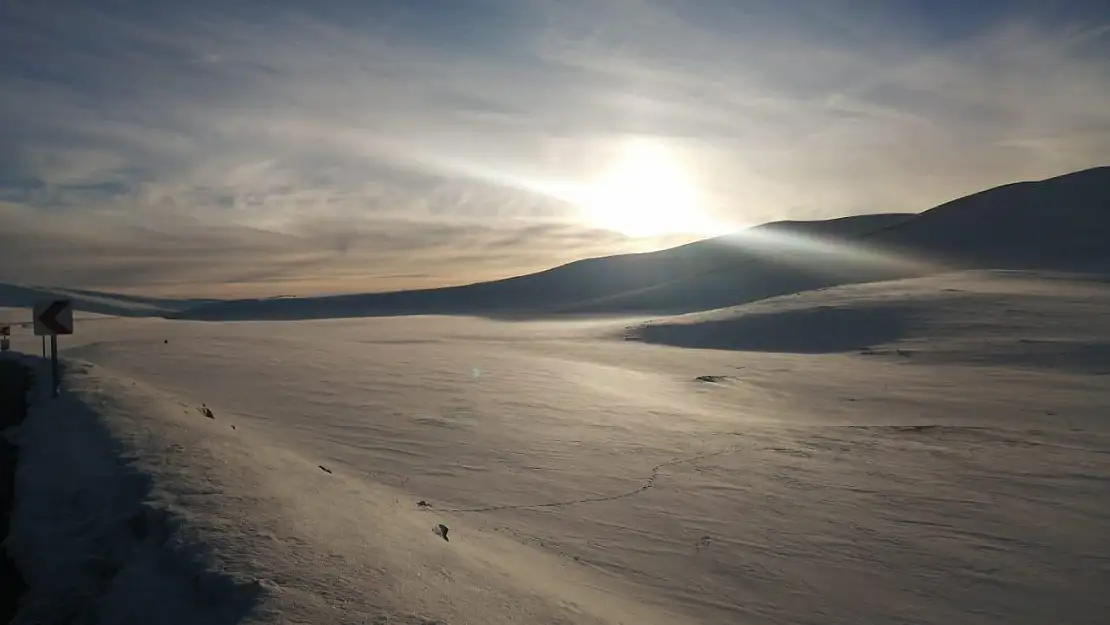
(1058, 223)
(1062, 223)
(585, 284)
(1024, 319)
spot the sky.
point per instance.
(251, 148)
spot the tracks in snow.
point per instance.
(647, 484)
(650, 481)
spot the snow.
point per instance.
(91, 538)
(1060, 223)
(955, 470)
(1013, 318)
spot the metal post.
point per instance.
(44, 347)
(54, 361)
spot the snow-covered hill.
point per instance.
(1062, 223)
(1012, 317)
(1058, 224)
(563, 288)
(954, 472)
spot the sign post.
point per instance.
(51, 318)
(54, 365)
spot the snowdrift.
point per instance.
(90, 538)
(1006, 318)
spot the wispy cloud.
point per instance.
(179, 256)
(332, 145)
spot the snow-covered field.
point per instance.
(923, 451)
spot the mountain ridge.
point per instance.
(1058, 223)
(777, 258)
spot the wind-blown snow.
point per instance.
(932, 478)
(1011, 318)
(1058, 224)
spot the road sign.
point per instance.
(54, 317)
(5, 330)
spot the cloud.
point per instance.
(878, 116)
(340, 145)
(183, 256)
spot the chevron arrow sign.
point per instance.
(54, 317)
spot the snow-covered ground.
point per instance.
(921, 451)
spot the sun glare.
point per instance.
(646, 193)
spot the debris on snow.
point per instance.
(441, 531)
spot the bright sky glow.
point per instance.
(269, 147)
(647, 193)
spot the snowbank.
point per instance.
(91, 544)
(135, 507)
(1031, 320)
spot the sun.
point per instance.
(646, 193)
